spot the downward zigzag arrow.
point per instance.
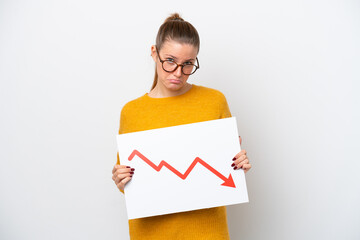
(229, 182)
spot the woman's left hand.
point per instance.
(241, 160)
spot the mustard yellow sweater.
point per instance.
(144, 113)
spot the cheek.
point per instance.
(185, 77)
(161, 73)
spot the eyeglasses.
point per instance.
(169, 65)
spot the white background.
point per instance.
(289, 70)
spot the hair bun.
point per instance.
(174, 17)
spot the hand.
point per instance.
(121, 175)
(241, 160)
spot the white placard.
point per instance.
(182, 168)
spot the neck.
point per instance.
(159, 92)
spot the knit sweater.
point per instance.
(144, 113)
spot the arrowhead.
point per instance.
(229, 182)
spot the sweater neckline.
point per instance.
(146, 95)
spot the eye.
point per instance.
(188, 63)
(170, 59)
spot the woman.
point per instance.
(173, 101)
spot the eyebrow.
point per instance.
(169, 55)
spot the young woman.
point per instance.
(173, 101)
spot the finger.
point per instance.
(114, 169)
(239, 160)
(121, 173)
(117, 166)
(118, 178)
(124, 170)
(121, 185)
(246, 167)
(121, 177)
(242, 163)
(121, 168)
(242, 152)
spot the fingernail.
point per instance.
(235, 168)
(233, 164)
(131, 172)
(127, 166)
(234, 158)
(133, 169)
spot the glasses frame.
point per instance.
(177, 65)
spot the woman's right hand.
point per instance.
(121, 175)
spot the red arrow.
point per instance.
(229, 182)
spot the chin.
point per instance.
(174, 86)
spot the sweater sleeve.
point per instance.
(224, 107)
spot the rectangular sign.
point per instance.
(182, 168)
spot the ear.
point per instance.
(153, 52)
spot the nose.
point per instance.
(178, 72)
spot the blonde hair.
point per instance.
(177, 29)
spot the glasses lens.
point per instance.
(189, 69)
(169, 66)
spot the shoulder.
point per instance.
(209, 92)
(133, 105)
(214, 99)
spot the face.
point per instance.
(178, 52)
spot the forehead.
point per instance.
(178, 50)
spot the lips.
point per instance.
(175, 80)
